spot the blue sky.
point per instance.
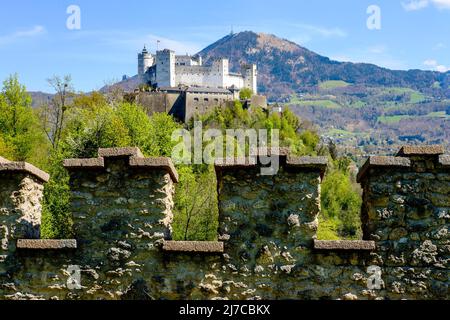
(36, 44)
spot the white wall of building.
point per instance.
(187, 60)
(250, 74)
(145, 61)
(173, 71)
(165, 68)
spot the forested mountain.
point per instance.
(286, 68)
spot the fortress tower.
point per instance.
(221, 66)
(250, 74)
(165, 68)
(145, 61)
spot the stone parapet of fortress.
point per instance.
(267, 244)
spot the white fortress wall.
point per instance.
(233, 80)
(169, 70)
(205, 77)
(187, 60)
(165, 68)
(192, 75)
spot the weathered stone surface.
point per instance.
(408, 228)
(23, 167)
(41, 244)
(134, 156)
(95, 163)
(193, 246)
(120, 152)
(444, 160)
(261, 151)
(344, 245)
(308, 162)
(406, 151)
(165, 163)
(235, 162)
(21, 194)
(380, 162)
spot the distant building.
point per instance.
(165, 69)
(183, 86)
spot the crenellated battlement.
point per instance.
(267, 249)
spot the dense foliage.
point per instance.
(20, 135)
(341, 203)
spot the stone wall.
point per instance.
(267, 249)
(21, 193)
(406, 211)
(197, 103)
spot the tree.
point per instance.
(162, 126)
(19, 129)
(245, 94)
(87, 130)
(139, 126)
(6, 151)
(53, 115)
(196, 207)
(89, 101)
(341, 202)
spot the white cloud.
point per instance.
(414, 5)
(20, 34)
(439, 46)
(181, 47)
(442, 68)
(378, 49)
(379, 55)
(325, 32)
(430, 63)
(442, 4)
(435, 66)
(308, 32)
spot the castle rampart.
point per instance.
(267, 249)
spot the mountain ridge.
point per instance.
(286, 67)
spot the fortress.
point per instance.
(267, 247)
(165, 69)
(183, 87)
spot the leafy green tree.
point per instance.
(161, 128)
(6, 151)
(341, 202)
(56, 216)
(245, 94)
(19, 126)
(138, 124)
(90, 129)
(196, 207)
(90, 101)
